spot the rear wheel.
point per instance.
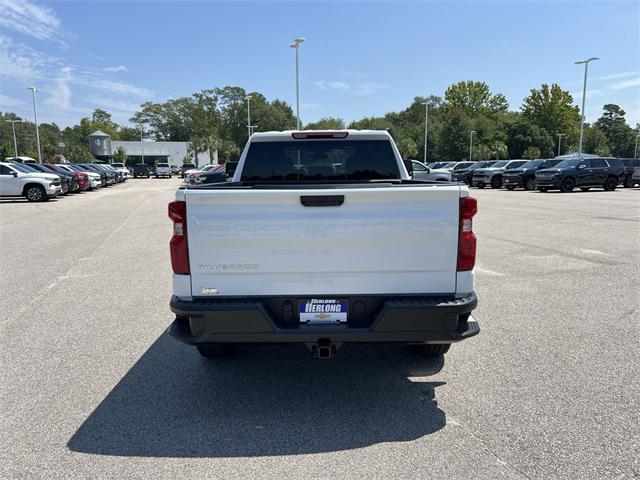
(432, 349)
(36, 193)
(567, 185)
(610, 184)
(496, 182)
(214, 350)
(530, 183)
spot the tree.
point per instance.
(531, 153)
(474, 98)
(523, 134)
(327, 123)
(453, 141)
(120, 155)
(619, 136)
(552, 109)
(595, 141)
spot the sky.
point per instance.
(359, 58)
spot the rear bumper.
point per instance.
(513, 181)
(251, 320)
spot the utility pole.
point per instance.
(426, 130)
(471, 146)
(296, 44)
(248, 99)
(35, 115)
(560, 135)
(584, 96)
(15, 143)
(141, 146)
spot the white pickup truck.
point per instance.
(323, 238)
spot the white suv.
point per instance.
(122, 169)
(17, 181)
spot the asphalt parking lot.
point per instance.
(91, 387)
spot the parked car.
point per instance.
(175, 169)
(94, 178)
(465, 174)
(422, 172)
(119, 175)
(636, 175)
(82, 178)
(185, 167)
(525, 176)
(18, 181)
(243, 285)
(190, 175)
(67, 182)
(630, 164)
(213, 175)
(112, 175)
(163, 170)
(492, 176)
(122, 168)
(584, 173)
(84, 167)
(141, 170)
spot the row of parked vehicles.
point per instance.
(37, 182)
(544, 175)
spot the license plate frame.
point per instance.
(323, 311)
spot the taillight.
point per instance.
(319, 135)
(178, 244)
(466, 239)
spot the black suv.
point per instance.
(141, 170)
(584, 173)
(464, 174)
(185, 167)
(629, 165)
(525, 176)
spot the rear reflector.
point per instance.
(312, 135)
(178, 245)
(466, 238)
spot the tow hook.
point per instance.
(324, 349)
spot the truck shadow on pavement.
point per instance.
(263, 401)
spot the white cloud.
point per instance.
(367, 88)
(117, 68)
(30, 19)
(23, 63)
(112, 104)
(335, 85)
(617, 75)
(10, 102)
(632, 82)
(60, 93)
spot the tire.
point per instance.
(432, 350)
(36, 193)
(567, 185)
(542, 189)
(585, 189)
(214, 351)
(530, 183)
(510, 187)
(610, 184)
(496, 182)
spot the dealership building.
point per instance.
(173, 153)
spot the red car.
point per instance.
(84, 182)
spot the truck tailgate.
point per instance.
(384, 240)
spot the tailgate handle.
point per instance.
(322, 200)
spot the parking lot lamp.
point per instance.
(141, 146)
(471, 145)
(560, 135)
(584, 95)
(296, 44)
(248, 99)
(35, 115)
(426, 130)
(635, 150)
(15, 144)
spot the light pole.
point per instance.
(252, 129)
(296, 44)
(560, 135)
(635, 150)
(35, 115)
(426, 130)
(248, 99)
(15, 143)
(141, 146)
(584, 95)
(471, 145)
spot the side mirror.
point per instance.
(409, 166)
(15, 174)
